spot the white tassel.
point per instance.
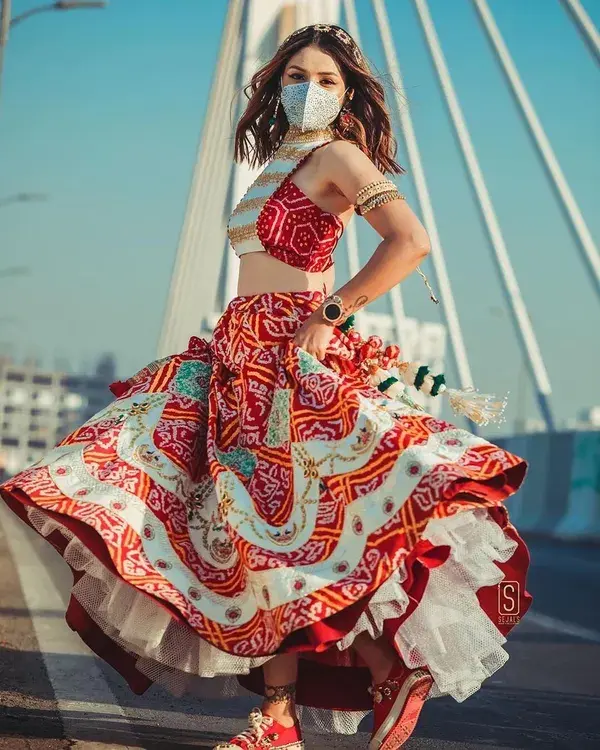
(481, 408)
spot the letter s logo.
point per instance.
(508, 597)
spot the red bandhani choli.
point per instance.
(295, 230)
(241, 499)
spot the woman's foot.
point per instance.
(397, 703)
(265, 732)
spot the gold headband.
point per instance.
(342, 35)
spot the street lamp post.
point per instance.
(22, 198)
(4, 27)
(59, 5)
(14, 271)
(7, 21)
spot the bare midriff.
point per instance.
(261, 273)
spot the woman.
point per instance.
(270, 510)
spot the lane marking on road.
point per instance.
(561, 626)
(72, 668)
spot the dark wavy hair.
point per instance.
(367, 124)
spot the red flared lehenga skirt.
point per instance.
(242, 499)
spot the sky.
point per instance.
(102, 111)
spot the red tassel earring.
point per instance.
(346, 115)
(345, 118)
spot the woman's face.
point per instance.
(312, 64)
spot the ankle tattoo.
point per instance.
(280, 693)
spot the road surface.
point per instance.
(56, 695)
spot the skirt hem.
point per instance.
(146, 641)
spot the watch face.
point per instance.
(332, 311)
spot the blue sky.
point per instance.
(102, 110)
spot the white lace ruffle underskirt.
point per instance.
(448, 631)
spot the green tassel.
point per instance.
(347, 324)
(438, 380)
(422, 371)
(385, 384)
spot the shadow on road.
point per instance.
(98, 727)
(496, 717)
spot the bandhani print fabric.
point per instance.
(241, 499)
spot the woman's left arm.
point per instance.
(403, 246)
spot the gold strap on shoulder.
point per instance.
(376, 194)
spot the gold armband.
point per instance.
(376, 194)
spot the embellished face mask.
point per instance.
(309, 106)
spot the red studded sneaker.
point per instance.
(265, 732)
(397, 703)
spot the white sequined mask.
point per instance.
(309, 106)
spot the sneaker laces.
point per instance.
(257, 724)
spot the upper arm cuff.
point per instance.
(376, 194)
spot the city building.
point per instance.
(588, 419)
(39, 407)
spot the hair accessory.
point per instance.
(337, 31)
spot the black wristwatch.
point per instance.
(333, 310)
